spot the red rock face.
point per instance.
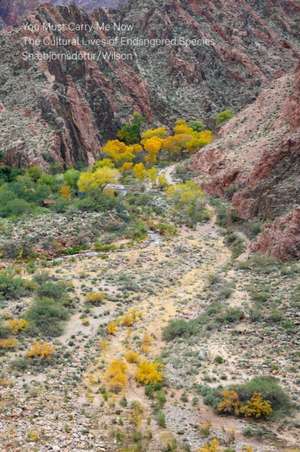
(257, 158)
(11, 11)
(281, 239)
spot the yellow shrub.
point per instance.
(256, 407)
(212, 446)
(112, 327)
(40, 350)
(146, 343)
(33, 436)
(230, 403)
(136, 414)
(8, 343)
(182, 127)
(127, 166)
(104, 162)
(132, 357)
(130, 318)
(17, 325)
(115, 375)
(149, 372)
(95, 297)
(65, 191)
(205, 137)
(160, 132)
(139, 171)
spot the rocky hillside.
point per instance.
(256, 163)
(11, 11)
(59, 110)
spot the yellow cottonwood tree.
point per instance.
(89, 180)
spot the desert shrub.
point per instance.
(231, 315)
(197, 125)
(96, 201)
(4, 329)
(166, 229)
(46, 317)
(17, 325)
(255, 406)
(130, 318)
(16, 207)
(259, 397)
(17, 250)
(71, 177)
(115, 375)
(161, 419)
(12, 286)
(146, 343)
(8, 343)
(137, 230)
(211, 396)
(212, 446)
(179, 328)
(149, 372)
(51, 289)
(42, 350)
(223, 116)
(269, 389)
(132, 357)
(188, 200)
(95, 298)
(105, 247)
(112, 328)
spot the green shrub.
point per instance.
(161, 419)
(232, 315)
(12, 286)
(223, 116)
(197, 125)
(179, 328)
(50, 289)
(71, 178)
(46, 317)
(137, 231)
(130, 132)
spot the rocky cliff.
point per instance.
(256, 163)
(12, 11)
(60, 109)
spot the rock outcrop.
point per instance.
(256, 163)
(60, 110)
(12, 11)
